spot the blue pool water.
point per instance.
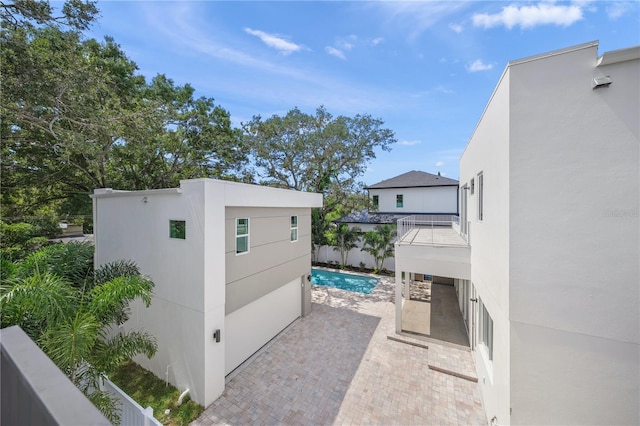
(349, 282)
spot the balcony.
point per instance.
(435, 245)
(432, 230)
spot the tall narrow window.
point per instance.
(376, 201)
(399, 201)
(242, 235)
(480, 196)
(177, 229)
(473, 186)
(294, 228)
(486, 329)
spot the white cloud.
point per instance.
(346, 43)
(616, 9)
(376, 41)
(531, 16)
(415, 17)
(456, 28)
(275, 41)
(335, 52)
(409, 143)
(478, 65)
(440, 164)
(443, 89)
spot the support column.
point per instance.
(398, 300)
(407, 285)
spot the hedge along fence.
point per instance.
(327, 254)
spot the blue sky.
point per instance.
(425, 68)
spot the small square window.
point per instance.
(399, 200)
(177, 229)
(294, 228)
(242, 235)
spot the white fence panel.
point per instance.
(132, 413)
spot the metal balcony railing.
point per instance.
(440, 230)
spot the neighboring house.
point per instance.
(230, 261)
(428, 196)
(548, 284)
(415, 192)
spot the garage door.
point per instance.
(250, 327)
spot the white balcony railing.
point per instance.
(442, 230)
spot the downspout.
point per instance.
(182, 395)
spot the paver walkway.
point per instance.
(337, 366)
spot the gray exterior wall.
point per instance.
(272, 261)
(34, 391)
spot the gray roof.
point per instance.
(414, 179)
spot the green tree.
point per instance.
(343, 238)
(77, 116)
(317, 153)
(379, 243)
(75, 14)
(76, 322)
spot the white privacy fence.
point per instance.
(326, 254)
(132, 413)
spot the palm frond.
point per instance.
(69, 343)
(72, 261)
(120, 348)
(119, 268)
(109, 406)
(36, 302)
(109, 301)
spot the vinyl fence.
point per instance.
(132, 413)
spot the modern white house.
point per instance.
(426, 195)
(415, 192)
(546, 252)
(231, 265)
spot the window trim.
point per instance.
(238, 219)
(399, 201)
(486, 333)
(172, 223)
(293, 228)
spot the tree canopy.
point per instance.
(317, 153)
(77, 116)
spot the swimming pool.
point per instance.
(350, 282)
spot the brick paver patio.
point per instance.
(337, 366)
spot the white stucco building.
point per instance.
(546, 253)
(230, 263)
(425, 195)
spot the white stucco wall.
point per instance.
(185, 309)
(190, 275)
(488, 152)
(574, 278)
(436, 199)
(555, 259)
